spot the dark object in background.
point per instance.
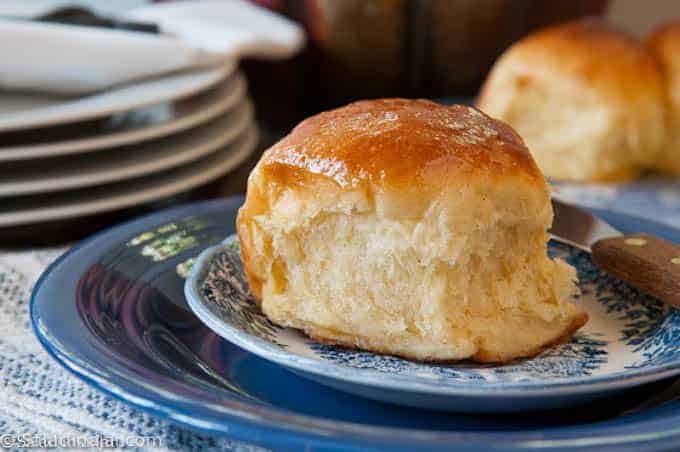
(378, 48)
(74, 15)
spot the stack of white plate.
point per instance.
(62, 158)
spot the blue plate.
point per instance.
(112, 311)
(629, 340)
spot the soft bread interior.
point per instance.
(469, 279)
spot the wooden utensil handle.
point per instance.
(649, 263)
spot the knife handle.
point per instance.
(647, 262)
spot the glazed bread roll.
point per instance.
(586, 98)
(665, 43)
(408, 228)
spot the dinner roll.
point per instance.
(586, 98)
(665, 43)
(408, 228)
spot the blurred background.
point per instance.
(73, 162)
(423, 48)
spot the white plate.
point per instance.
(126, 163)
(142, 125)
(20, 112)
(134, 192)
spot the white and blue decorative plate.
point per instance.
(630, 339)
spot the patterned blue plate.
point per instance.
(112, 311)
(630, 339)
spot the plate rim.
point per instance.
(194, 148)
(245, 424)
(380, 380)
(73, 208)
(25, 120)
(234, 90)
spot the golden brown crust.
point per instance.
(397, 143)
(665, 43)
(665, 38)
(600, 55)
(247, 253)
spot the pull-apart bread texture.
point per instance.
(409, 228)
(586, 97)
